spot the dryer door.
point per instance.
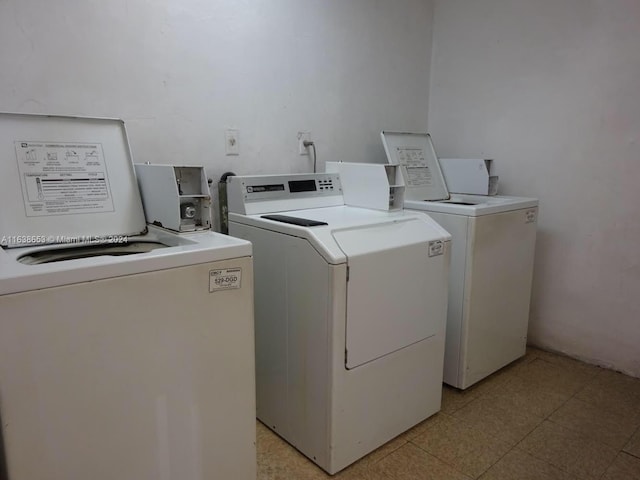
(397, 292)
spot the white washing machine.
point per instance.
(123, 354)
(493, 245)
(350, 314)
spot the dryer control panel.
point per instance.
(291, 187)
(269, 193)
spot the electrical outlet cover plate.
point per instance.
(231, 142)
(303, 137)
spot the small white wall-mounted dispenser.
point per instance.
(469, 175)
(175, 197)
(370, 185)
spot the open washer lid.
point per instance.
(419, 164)
(66, 179)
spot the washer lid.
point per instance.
(66, 179)
(419, 164)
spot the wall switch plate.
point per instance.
(303, 137)
(231, 142)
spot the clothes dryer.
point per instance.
(350, 314)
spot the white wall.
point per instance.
(181, 71)
(551, 90)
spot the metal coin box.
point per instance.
(175, 197)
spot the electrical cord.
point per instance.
(307, 144)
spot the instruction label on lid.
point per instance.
(63, 178)
(413, 160)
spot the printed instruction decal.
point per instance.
(413, 160)
(63, 178)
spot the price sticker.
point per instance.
(225, 279)
(436, 247)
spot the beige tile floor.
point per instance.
(544, 417)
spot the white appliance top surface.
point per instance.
(377, 228)
(65, 176)
(419, 164)
(473, 205)
(182, 250)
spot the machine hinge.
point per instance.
(347, 273)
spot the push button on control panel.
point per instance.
(325, 184)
